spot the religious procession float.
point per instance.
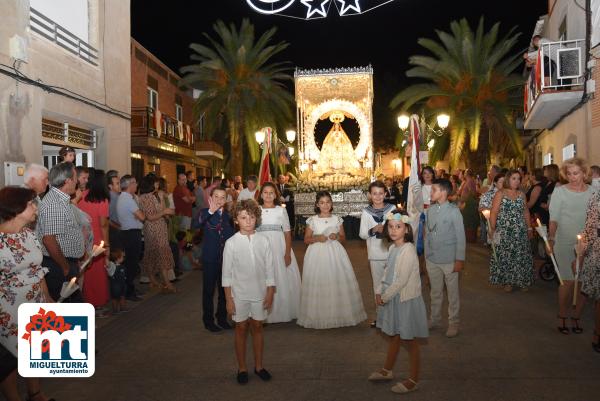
(338, 167)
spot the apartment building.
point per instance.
(561, 103)
(165, 139)
(64, 80)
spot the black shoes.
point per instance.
(213, 328)
(242, 377)
(224, 324)
(263, 374)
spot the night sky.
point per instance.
(384, 37)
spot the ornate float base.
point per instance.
(349, 203)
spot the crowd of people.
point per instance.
(240, 235)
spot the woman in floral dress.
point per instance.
(590, 275)
(21, 279)
(158, 258)
(510, 226)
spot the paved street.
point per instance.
(508, 349)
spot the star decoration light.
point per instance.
(347, 7)
(311, 11)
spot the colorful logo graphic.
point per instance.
(56, 340)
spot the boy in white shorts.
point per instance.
(249, 283)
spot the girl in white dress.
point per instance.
(275, 224)
(330, 293)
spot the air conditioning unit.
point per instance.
(568, 63)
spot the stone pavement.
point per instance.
(508, 349)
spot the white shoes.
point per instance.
(400, 388)
(381, 375)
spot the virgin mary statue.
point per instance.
(337, 154)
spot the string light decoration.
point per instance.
(314, 9)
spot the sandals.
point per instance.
(563, 329)
(575, 327)
(381, 375)
(596, 345)
(400, 388)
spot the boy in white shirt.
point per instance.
(249, 283)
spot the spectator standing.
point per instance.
(36, 178)
(567, 219)
(512, 265)
(95, 204)
(536, 196)
(66, 154)
(392, 194)
(286, 197)
(184, 201)
(21, 280)
(216, 183)
(114, 188)
(59, 230)
(595, 177)
(131, 219)
(251, 190)
(158, 258)
(191, 180)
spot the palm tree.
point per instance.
(241, 90)
(470, 77)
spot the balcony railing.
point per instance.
(52, 31)
(65, 133)
(145, 121)
(559, 66)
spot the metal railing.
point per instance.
(68, 133)
(52, 31)
(145, 122)
(558, 66)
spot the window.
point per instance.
(152, 98)
(178, 112)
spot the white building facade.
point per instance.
(561, 104)
(65, 79)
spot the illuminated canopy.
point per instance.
(313, 9)
(323, 91)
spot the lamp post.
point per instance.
(429, 132)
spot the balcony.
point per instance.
(555, 84)
(152, 129)
(209, 150)
(49, 29)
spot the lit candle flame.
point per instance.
(539, 223)
(486, 213)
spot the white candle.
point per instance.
(71, 283)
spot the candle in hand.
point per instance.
(486, 213)
(71, 283)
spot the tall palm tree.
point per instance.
(241, 89)
(470, 77)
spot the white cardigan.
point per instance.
(407, 279)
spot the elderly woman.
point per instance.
(21, 280)
(590, 274)
(567, 219)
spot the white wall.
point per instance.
(72, 15)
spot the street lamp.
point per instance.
(428, 132)
(260, 137)
(291, 150)
(443, 120)
(403, 121)
(290, 135)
